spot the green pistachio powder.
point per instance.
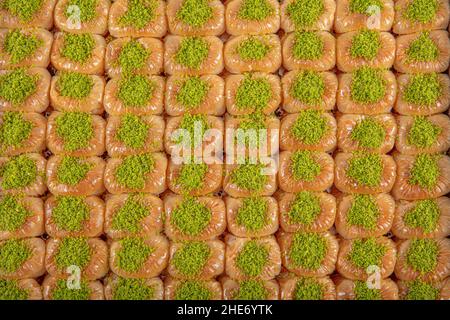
(87, 9)
(365, 44)
(132, 289)
(251, 290)
(252, 49)
(310, 127)
(367, 86)
(20, 45)
(308, 289)
(72, 170)
(362, 6)
(423, 89)
(132, 56)
(252, 258)
(10, 290)
(14, 129)
(423, 133)
(133, 253)
(253, 93)
(252, 214)
(366, 169)
(195, 13)
(304, 209)
(425, 171)
(13, 214)
(249, 129)
(63, 292)
(308, 87)
(192, 290)
(132, 171)
(191, 217)
(133, 131)
(366, 252)
(75, 129)
(135, 90)
(192, 176)
(78, 47)
(305, 13)
(139, 13)
(24, 9)
(255, 10)
(18, 172)
(192, 93)
(194, 126)
(73, 252)
(308, 45)
(74, 85)
(420, 290)
(422, 255)
(363, 212)
(368, 133)
(304, 167)
(248, 176)
(130, 215)
(308, 250)
(192, 52)
(70, 213)
(363, 292)
(17, 85)
(422, 49)
(191, 258)
(13, 254)
(422, 11)
(425, 215)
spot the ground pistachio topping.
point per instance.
(366, 169)
(10, 290)
(14, 129)
(135, 90)
(423, 133)
(23, 9)
(133, 56)
(423, 255)
(13, 214)
(193, 128)
(252, 258)
(420, 290)
(18, 172)
(70, 213)
(366, 252)
(425, 215)
(364, 6)
(304, 166)
(13, 254)
(253, 213)
(191, 217)
(308, 45)
(20, 45)
(305, 13)
(422, 11)
(251, 290)
(129, 216)
(249, 176)
(87, 9)
(75, 129)
(133, 254)
(422, 49)
(132, 289)
(191, 258)
(310, 126)
(308, 87)
(17, 85)
(365, 44)
(304, 209)
(363, 212)
(252, 49)
(192, 176)
(308, 289)
(253, 93)
(369, 133)
(308, 250)
(72, 170)
(193, 92)
(74, 85)
(139, 13)
(367, 85)
(423, 89)
(195, 12)
(255, 10)
(192, 290)
(192, 52)
(63, 292)
(363, 292)
(249, 129)
(133, 131)
(78, 47)
(73, 251)
(425, 171)
(131, 173)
